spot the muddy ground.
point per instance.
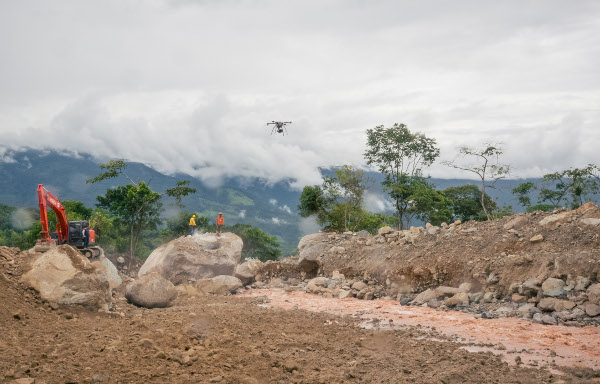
(228, 339)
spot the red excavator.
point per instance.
(66, 232)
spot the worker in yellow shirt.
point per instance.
(192, 225)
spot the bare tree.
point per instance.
(485, 164)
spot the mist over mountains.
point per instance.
(269, 206)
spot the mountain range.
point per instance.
(271, 207)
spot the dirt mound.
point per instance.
(507, 260)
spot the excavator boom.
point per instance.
(46, 199)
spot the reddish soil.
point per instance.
(535, 344)
(229, 340)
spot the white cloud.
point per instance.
(242, 214)
(272, 201)
(286, 209)
(188, 86)
(276, 220)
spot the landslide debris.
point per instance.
(544, 266)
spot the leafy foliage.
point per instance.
(181, 189)
(466, 203)
(257, 244)
(487, 167)
(400, 155)
(337, 202)
(135, 208)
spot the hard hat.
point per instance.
(193, 215)
(220, 213)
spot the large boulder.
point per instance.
(111, 271)
(553, 287)
(195, 257)
(593, 293)
(316, 285)
(64, 276)
(310, 249)
(248, 270)
(219, 285)
(151, 291)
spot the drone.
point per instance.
(279, 127)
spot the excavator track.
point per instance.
(92, 252)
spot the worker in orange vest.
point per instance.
(220, 222)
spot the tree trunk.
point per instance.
(483, 200)
(131, 241)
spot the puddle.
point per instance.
(536, 344)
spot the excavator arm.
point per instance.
(46, 199)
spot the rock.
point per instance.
(550, 304)
(433, 230)
(516, 223)
(121, 260)
(337, 250)
(536, 239)
(369, 296)
(530, 287)
(433, 303)
(554, 221)
(593, 293)
(526, 308)
(198, 257)
(516, 298)
(547, 319)
(443, 291)
(248, 270)
(424, 297)
(470, 230)
(537, 318)
(553, 287)
(151, 290)
(476, 297)
(359, 286)
(343, 294)
(384, 230)
(363, 234)
(592, 310)
(64, 276)
(336, 275)
(460, 299)
(219, 285)
(465, 287)
(581, 283)
(488, 297)
(24, 380)
(310, 249)
(316, 285)
(591, 221)
(111, 271)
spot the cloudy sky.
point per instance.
(188, 85)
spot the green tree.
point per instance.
(466, 203)
(400, 156)
(428, 204)
(522, 192)
(137, 208)
(337, 202)
(486, 166)
(257, 244)
(574, 185)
